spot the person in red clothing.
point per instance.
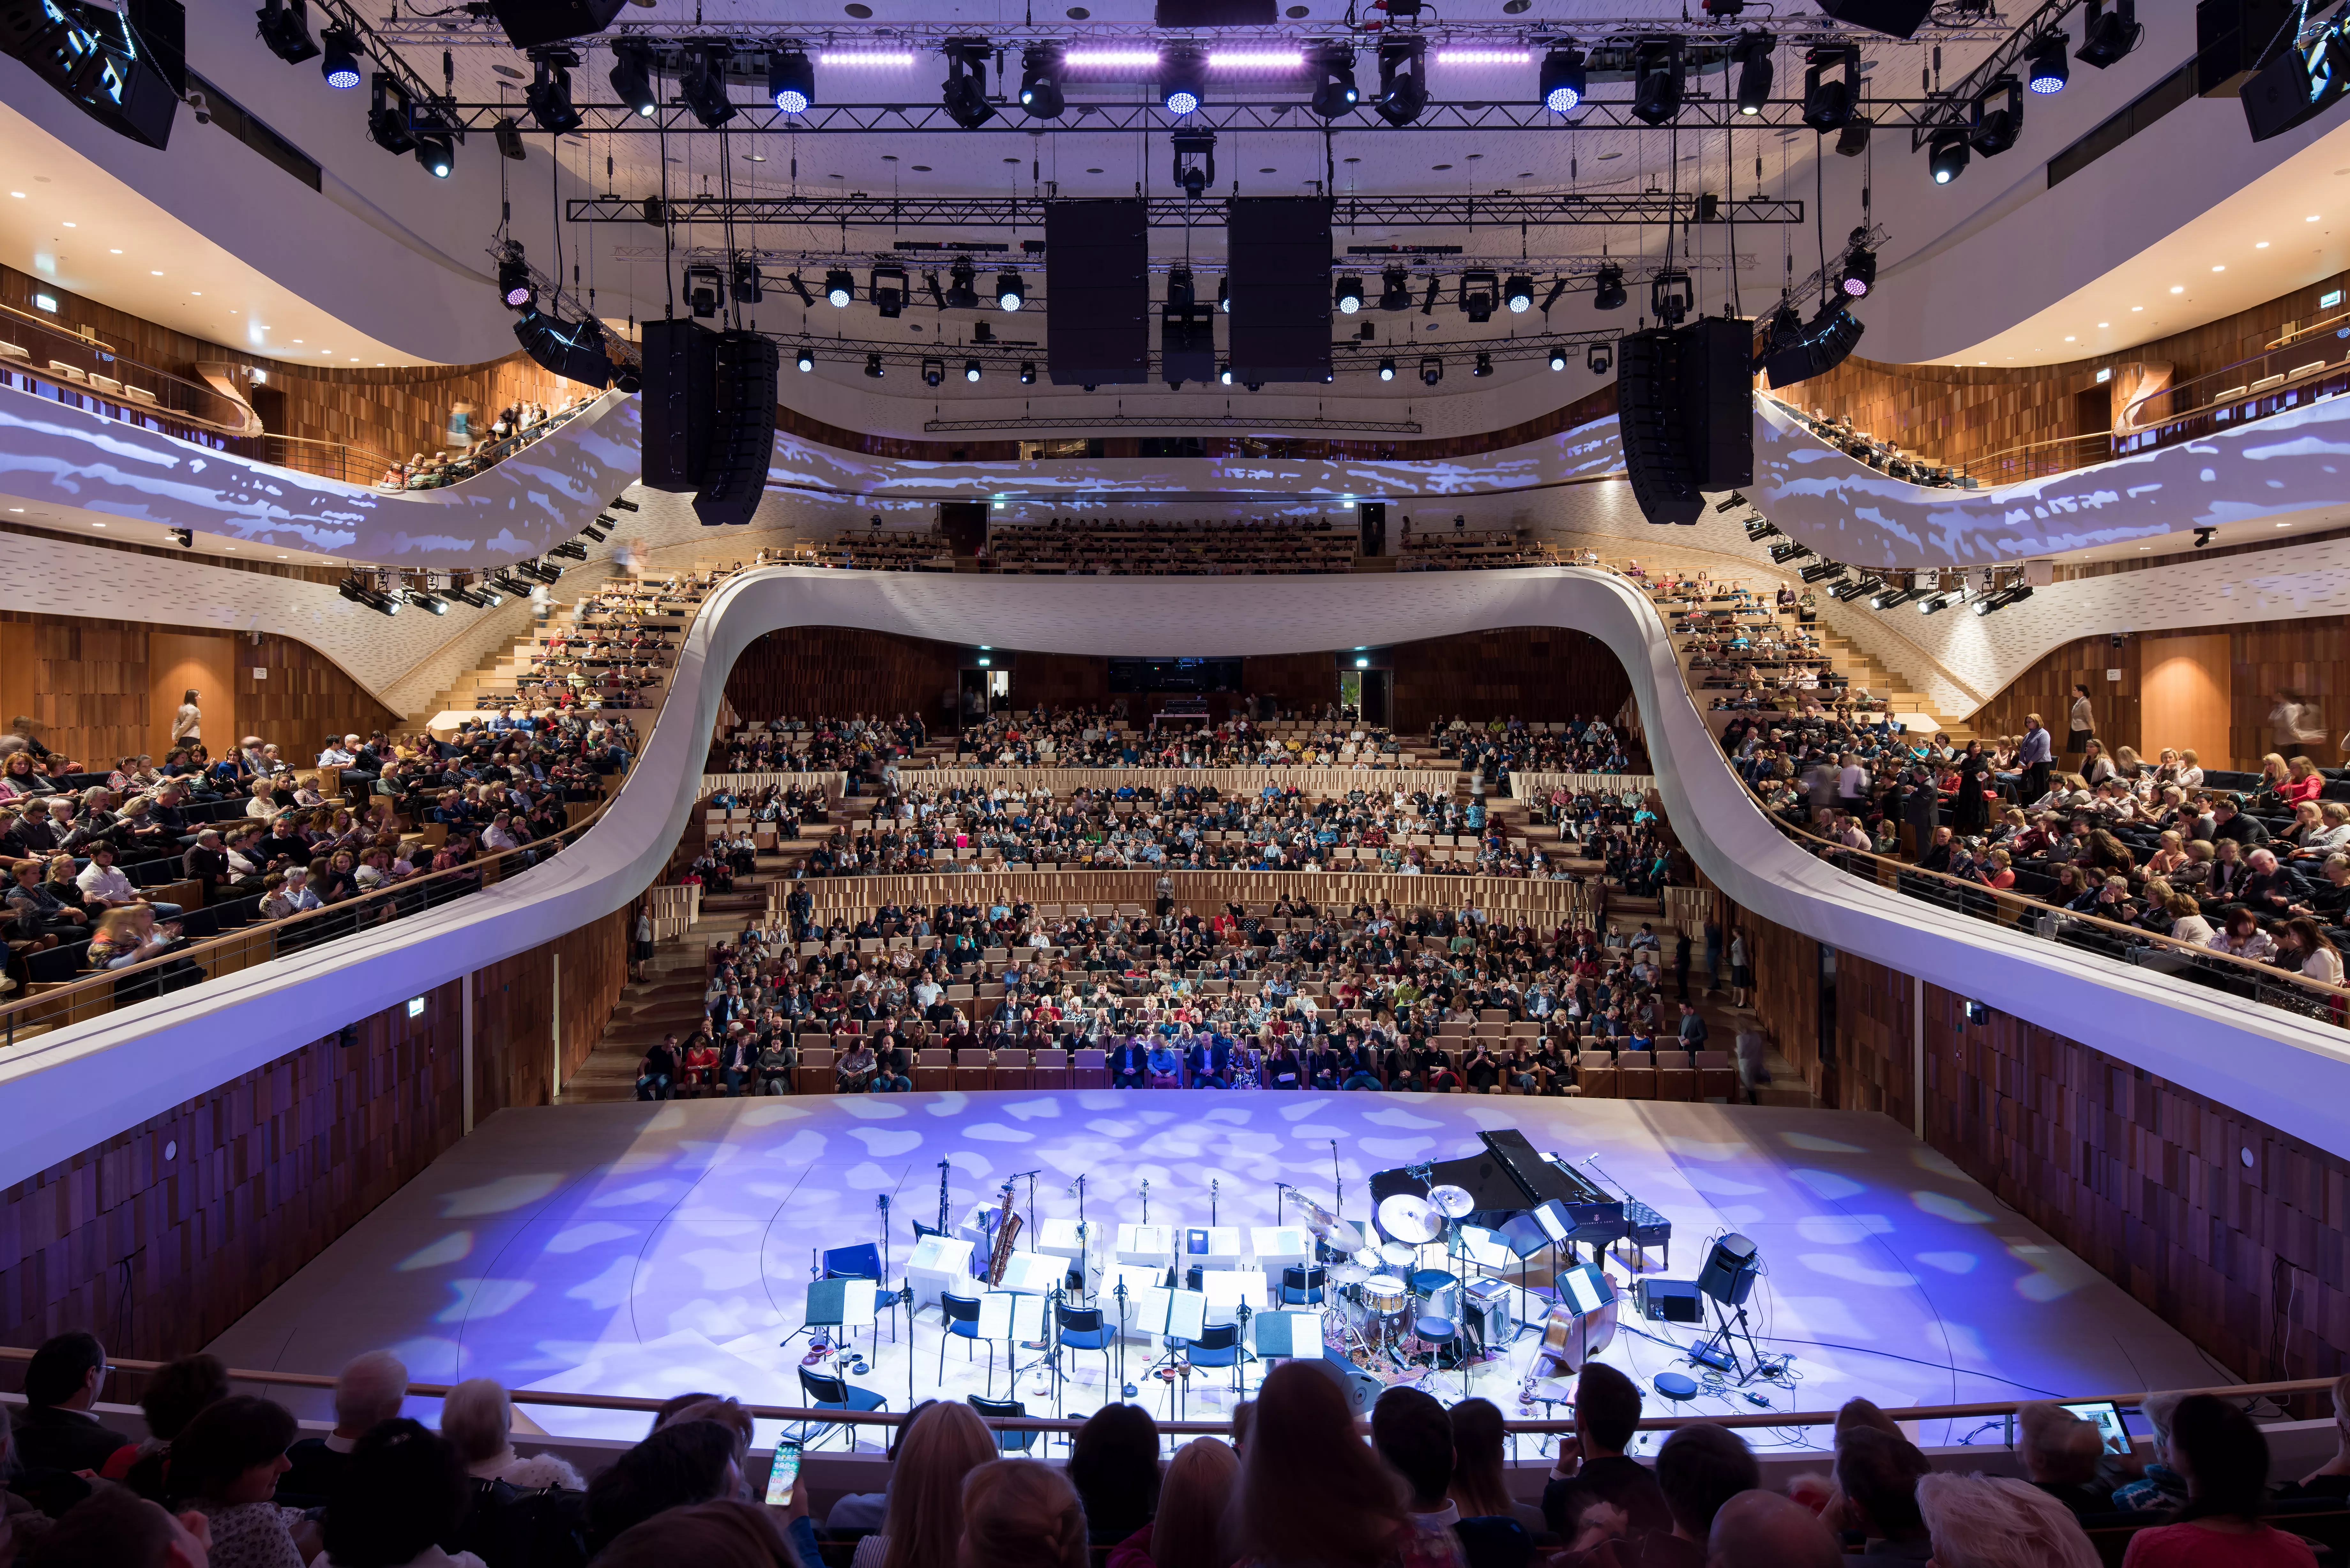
(2302, 781)
(2225, 1460)
(700, 1061)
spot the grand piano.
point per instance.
(1511, 1180)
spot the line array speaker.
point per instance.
(126, 70)
(680, 397)
(1685, 408)
(1280, 278)
(743, 442)
(529, 23)
(1187, 343)
(1899, 18)
(1098, 276)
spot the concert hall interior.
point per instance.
(821, 783)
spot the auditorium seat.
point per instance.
(1595, 1072)
(1716, 1078)
(1012, 1070)
(814, 1074)
(1635, 1075)
(970, 1068)
(1051, 1068)
(1676, 1076)
(932, 1066)
(1090, 1069)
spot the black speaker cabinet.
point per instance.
(680, 402)
(1730, 1271)
(743, 437)
(1685, 410)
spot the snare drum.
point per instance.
(1387, 1300)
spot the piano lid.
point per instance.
(1507, 1179)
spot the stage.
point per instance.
(649, 1250)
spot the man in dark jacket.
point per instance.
(57, 1430)
(1592, 1467)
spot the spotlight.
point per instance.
(886, 287)
(185, 538)
(873, 366)
(632, 75)
(1821, 571)
(839, 285)
(1787, 550)
(962, 285)
(1195, 164)
(1946, 156)
(2107, 35)
(933, 372)
(1350, 295)
(341, 65)
(2043, 63)
(1333, 81)
(1934, 605)
(1853, 140)
(1657, 78)
(570, 550)
(1891, 597)
(514, 279)
(387, 117)
(2016, 594)
(622, 503)
(2203, 536)
(1859, 269)
(804, 360)
(1040, 81)
(1599, 360)
(791, 81)
(1759, 529)
(705, 290)
(1182, 80)
(1403, 81)
(1858, 588)
(1752, 54)
(1671, 296)
(1478, 287)
(1829, 101)
(1028, 373)
(1995, 129)
(800, 287)
(1550, 298)
(1484, 366)
(970, 370)
(1558, 358)
(1608, 288)
(1432, 370)
(1009, 294)
(1518, 293)
(1387, 370)
(286, 28)
(1223, 375)
(1395, 289)
(1563, 79)
(1736, 501)
(748, 286)
(436, 150)
(702, 82)
(548, 95)
(1225, 296)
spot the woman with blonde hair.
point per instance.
(1018, 1514)
(1999, 1521)
(940, 1451)
(1189, 1529)
(478, 1418)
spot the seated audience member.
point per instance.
(2225, 1460)
(173, 1396)
(1999, 1521)
(1764, 1529)
(728, 1533)
(1114, 1465)
(2331, 1479)
(677, 1466)
(2061, 1454)
(115, 1528)
(1188, 1531)
(401, 1494)
(1413, 1438)
(224, 1465)
(1699, 1469)
(369, 1391)
(1310, 1491)
(2159, 1487)
(23, 1519)
(941, 1449)
(1878, 1473)
(55, 1430)
(478, 1418)
(1018, 1514)
(1480, 1487)
(865, 1511)
(1592, 1467)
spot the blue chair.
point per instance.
(962, 1323)
(1081, 1328)
(1002, 1409)
(1219, 1345)
(824, 1392)
(1301, 1285)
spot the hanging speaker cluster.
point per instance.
(709, 416)
(1685, 407)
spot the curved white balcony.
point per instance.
(70, 1089)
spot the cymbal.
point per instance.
(1350, 1273)
(1409, 1218)
(1370, 1258)
(1452, 1202)
(1327, 1227)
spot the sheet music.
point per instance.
(1148, 1309)
(1485, 1248)
(1187, 1314)
(857, 1303)
(1229, 1288)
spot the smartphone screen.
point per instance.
(782, 1474)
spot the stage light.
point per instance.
(548, 98)
(1892, 598)
(1995, 129)
(964, 92)
(1946, 156)
(933, 372)
(873, 366)
(341, 65)
(1853, 140)
(1821, 571)
(1386, 369)
(1223, 375)
(1658, 81)
(1934, 605)
(632, 75)
(387, 121)
(1182, 80)
(1599, 360)
(1350, 295)
(2043, 63)
(1395, 289)
(1403, 81)
(1608, 288)
(1478, 291)
(839, 285)
(2107, 35)
(1484, 364)
(748, 286)
(1432, 370)
(1736, 500)
(1787, 550)
(1333, 81)
(436, 150)
(1829, 101)
(1752, 54)
(1518, 293)
(705, 290)
(791, 81)
(286, 28)
(185, 538)
(804, 360)
(2015, 594)
(702, 82)
(1040, 81)
(1028, 372)
(1112, 60)
(887, 288)
(1558, 358)
(962, 285)
(514, 279)
(970, 370)
(1563, 79)
(1759, 529)
(1009, 294)
(1224, 296)
(1859, 270)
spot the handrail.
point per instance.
(309, 455)
(557, 1399)
(193, 395)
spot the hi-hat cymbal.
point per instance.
(1409, 1218)
(1350, 1273)
(1452, 1202)
(1370, 1258)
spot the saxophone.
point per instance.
(1007, 1230)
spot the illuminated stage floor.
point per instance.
(647, 1250)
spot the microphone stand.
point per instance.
(1146, 1200)
(1215, 1185)
(1117, 1337)
(881, 1201)
(943, 1197)
(1337, 1181)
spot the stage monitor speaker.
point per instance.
(1187, 15)
(1279, 275)
(529, 23)
(680, 402)
(1685, 411)
(1896, 18)
(1097, 277)
(743, 437)
(127, 71)
(1668, 1301)
(1187, 344)
(1730, 1270)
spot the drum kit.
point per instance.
(1396, 1305)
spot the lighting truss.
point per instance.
(1348, 356)
(1954, 108)
(999, 213)
(1186, 422)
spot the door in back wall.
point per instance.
(175, 662)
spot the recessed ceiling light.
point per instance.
(1440, 166)
(2145, 547)
(114, 253)
(889, 158)
(2136, 308)
(2219, 269)
(2179, 288)
(97, 524)
(858, 10)
(921, 168)
(18, 194)
(1093, 171)
(1268, 171)
(2284, 524)
(2070, 339)
(2105, 324)
(2311, 219)
(1609, 157)
(1078, 14)
(73, 226)
(2261, 244)
(755, 158)
(508, 72)
(195, 293)
(154, 273)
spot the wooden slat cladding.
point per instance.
(1787, 993)
(1874, 1014)
(516, 1026)
(2046, 688)
(804, 670)
(1541, 674)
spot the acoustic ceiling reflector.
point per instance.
(1097, 277)
(1186, 15)
(1280, 277)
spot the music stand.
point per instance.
(842, 1303)
(1009, 1317)
(1177, 1317)
(1286, 1335)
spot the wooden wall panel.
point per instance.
(92, 688)
(1541, 674)
(1059, 681)
(2184, 679)
(1874, 1019)
(595, 969)
(2046, 688)
(2308, 657)
(1786, 994)
(1298, 682)
(178, 663)
(803, 672)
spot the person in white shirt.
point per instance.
(499, 834)
(102, 882)
(334, 755)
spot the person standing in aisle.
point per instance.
(2082, 727)
(188, 724)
